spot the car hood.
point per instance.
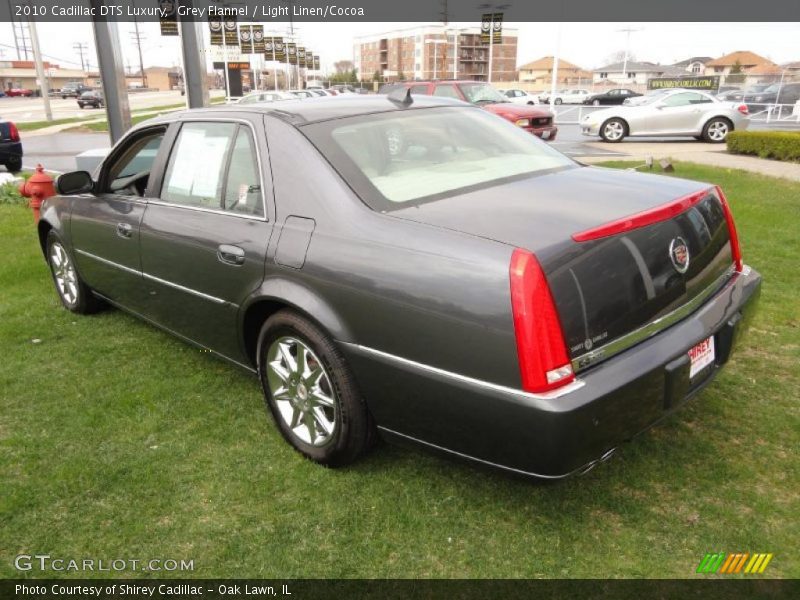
(543, 211)
(510, 110)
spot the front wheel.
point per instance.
(311, 392)
(74, 294)
(716, 130)
(613, 130)
(557, 101)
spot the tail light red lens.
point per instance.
(543, 360)
(13, 132)
(736, 250)
(742, 108)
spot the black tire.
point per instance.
(713, 130)
(606, 137)
(354, 430)
(80, 104)
(14, 164)
(84, 302)
(63, 97)
(557, 101)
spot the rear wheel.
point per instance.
(311, 392)
(596, 102)
(75, 295)
(557, 101)
(716, 130)
(14, 164)
(613, 130)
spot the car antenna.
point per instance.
(398, 97)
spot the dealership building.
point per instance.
(436, 51)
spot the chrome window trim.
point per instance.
(569, 388)
(264, 218)
(156, 279)
(644, 332)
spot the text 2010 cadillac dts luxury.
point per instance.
(417, 268)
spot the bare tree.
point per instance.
(618, 57)
(343, 66)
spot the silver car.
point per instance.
(267, 96)
(673, 113)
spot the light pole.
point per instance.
(435, 55)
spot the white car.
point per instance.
(573, 96)
(518, 96)
(266, 96)
(681, 113)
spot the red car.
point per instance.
(19, 92)
(537, 121)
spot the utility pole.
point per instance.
(138, 37)
(40, 74)
(109, 62)
(194, 66)
(627, 31)
(81, 47)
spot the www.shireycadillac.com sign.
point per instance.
(710, 83)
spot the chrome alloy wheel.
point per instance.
(718, 130)
(302, 391)
(614, 130)
(64, 273)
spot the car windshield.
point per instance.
(478, 93)
(408, 157)
(773, 89)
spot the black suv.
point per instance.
(93, 98)
(73, 90)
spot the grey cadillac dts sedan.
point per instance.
(411, 267)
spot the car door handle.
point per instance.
(232, 255)
(124, 230)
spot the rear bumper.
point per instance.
(9, 150)
(553, 436)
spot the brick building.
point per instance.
(425, 52)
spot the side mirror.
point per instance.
(76, 182)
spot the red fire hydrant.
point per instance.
(37, 188)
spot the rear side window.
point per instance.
(214, 166)
(447, 91)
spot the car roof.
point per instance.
(319, 108)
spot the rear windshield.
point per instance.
(407, 157)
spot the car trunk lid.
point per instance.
(610, 282)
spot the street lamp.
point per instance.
(492, 7)
(435, 56)
(627, 31)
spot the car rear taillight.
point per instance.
(736, 250)
(742, 108)
(542, 353)
(13, 132)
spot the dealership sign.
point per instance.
(693, 83)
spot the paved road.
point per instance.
(22, 110)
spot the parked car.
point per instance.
(73, 90)
(673, 113)
(520, 96)
(2, 94)
(10, 146)
(576, 96)
(737, 95)
(24, 92)
(611, 97)
(537, 121)
(477, 292)
(266, 96)
(93, 98)
(787, 93)
(303, 94)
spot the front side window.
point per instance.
(197, 164)
(418, 156)
(130, 172)
(479, 93)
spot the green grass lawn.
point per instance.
(119, 441)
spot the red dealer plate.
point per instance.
(700, 356)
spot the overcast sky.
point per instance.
(585, 44)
